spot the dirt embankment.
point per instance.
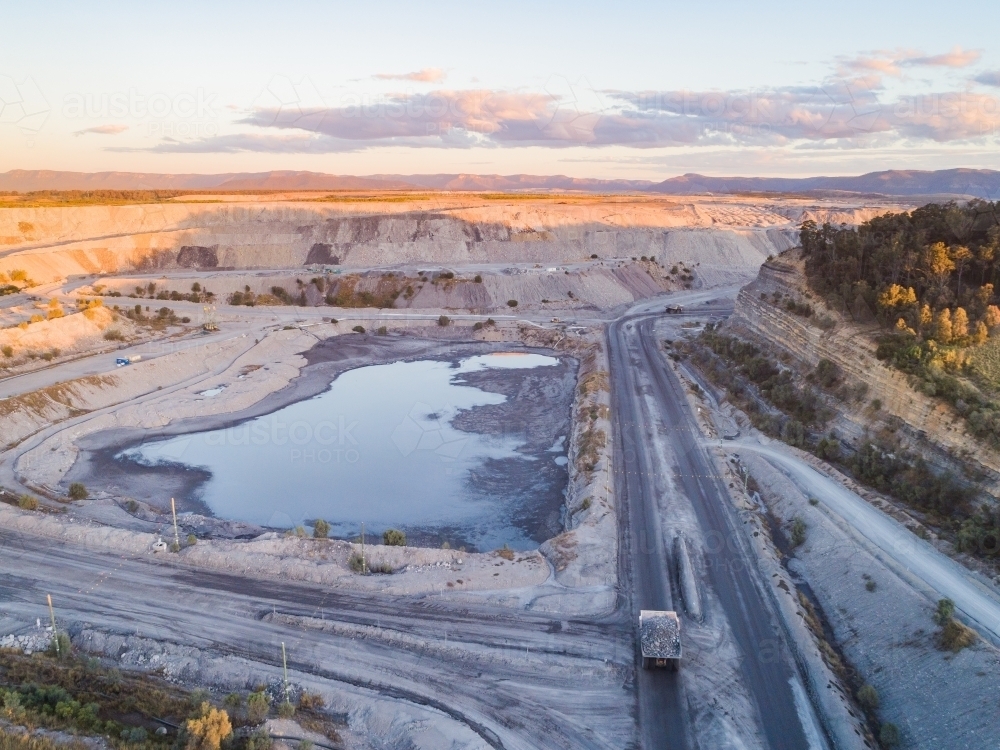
(76, 331)
(851, 346)
(599, 285)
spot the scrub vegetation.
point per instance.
(768, 393)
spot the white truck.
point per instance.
(660, 639)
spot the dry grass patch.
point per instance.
(955, 636)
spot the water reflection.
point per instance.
(378, 446)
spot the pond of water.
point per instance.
(378, 446)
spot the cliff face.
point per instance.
(931, 422)
(727, 238)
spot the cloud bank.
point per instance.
(850, 109)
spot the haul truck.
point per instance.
(660, 639)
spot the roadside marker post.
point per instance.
(55, 633)
(364, 564)
(177, 535)
(284, 666)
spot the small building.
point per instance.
(660, 639)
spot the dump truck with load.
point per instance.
(660, 639)
(675, 309)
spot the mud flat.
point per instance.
(500, 455)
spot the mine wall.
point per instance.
(142, 239)
(927, 422)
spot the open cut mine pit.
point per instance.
(457, 443)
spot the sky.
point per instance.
(636, 90)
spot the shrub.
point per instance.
(321, 529)
(868, 697)
(871, 585)
(393, 538)
(944, 612)
(311, 701)
(357, 563)
(286, 710)
(955, 636)
(512, 303)
(382, 331)
(258, 706)
(506, 553)
(444, 320)
(191, 540)
(358, 329)
(798, 532)
(60, 647)
(131, 506)
(259, 740)
(793, 432)
(478, 326)
(27, 502)
(78, 492)
(113, 334)
(8, 351)
(888, 735)
(478, 279)
(208, 729)
(134, 736)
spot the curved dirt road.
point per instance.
(918, 558)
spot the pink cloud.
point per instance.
(103, 130)
(427, 75)
(957, 58)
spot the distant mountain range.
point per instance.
(980, 183)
